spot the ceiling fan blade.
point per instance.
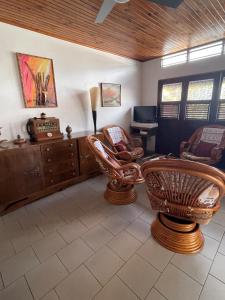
(105, 9)
(169, 3)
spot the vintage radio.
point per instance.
(42, 129)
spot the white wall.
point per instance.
(152, 72)
(77, 68)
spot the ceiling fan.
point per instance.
(108, 5)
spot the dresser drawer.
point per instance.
(61, 167)
(59, 151)
(58, 157)
(57, 178)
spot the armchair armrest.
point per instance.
(216, 153)
(184, 146)
(131, 172)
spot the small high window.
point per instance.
(174, 59)
(206, 51)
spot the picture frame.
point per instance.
(37, 81)
(110, 94)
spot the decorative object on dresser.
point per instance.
(19, 140)
(186, 194)
(2, 141)
(111, 94)
(94, 95)
(122, 175)
(38, 82)
(206, 145)
(42, 129)
(126, 148)
(69, 131)
(33, 170)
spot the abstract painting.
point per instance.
(111, 94)
(38, 82)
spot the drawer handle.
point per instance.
(72, 154)
(70, 145)
(48, 149)
(74, 173)
(51, 180)
(49, 159)
(72, 165)
(50, 170)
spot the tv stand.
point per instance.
(145, 131)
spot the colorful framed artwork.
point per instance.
(111, 94)
(37, 79)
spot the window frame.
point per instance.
(213, 103)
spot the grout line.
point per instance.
(128, 287)
(28, 286)
(160, 293)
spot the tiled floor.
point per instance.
(73, 245)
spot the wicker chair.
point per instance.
(186, 194)
(206, 145)
(126, 148)
(122, 175)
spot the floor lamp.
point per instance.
(94, 95)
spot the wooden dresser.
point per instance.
(34, 170)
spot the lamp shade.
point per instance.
(95, 97)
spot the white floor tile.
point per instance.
(210, 247)
(219, 218)
(213, 230)
(18, 265)
(26, 238)
(155, 295)
(97, 237)
(197, 266)
(115, 224)
(1, 283)
(130, 212)
(218, 267)
(74, 254)
(222, 246)
(72, 231)
(46, 276)
(16, 291)
(140, 230)
(148, 216)
(78, 285)
(6, 250)
(124, 244)
(155, 254)
(92, 217)
(139, 276)
(116, 290)
(49, 224)
(104, 264)
(176, 285)
(48, 246)
(213, 289)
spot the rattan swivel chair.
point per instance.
(122, 176)
(185, 194)
(127, 149)
(206, 145)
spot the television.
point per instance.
(145, 114)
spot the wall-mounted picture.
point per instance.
(111, 94)
(38, 82)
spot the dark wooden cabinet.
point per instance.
(31, 171)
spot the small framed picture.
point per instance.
(111, 94)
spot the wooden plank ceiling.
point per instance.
(138, 29)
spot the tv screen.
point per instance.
(145, 114)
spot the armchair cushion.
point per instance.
(209, 196)
(121, 146)
(204, 149)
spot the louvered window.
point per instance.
(170, 101)
(199, 99)
(206, 51)
(221, 103)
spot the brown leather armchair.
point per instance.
(122, 176)
(186, 194)
(206, 145)
(127, 149)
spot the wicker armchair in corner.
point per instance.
(122, 175)
(185, 194)
(127, 149)
(206, 145)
